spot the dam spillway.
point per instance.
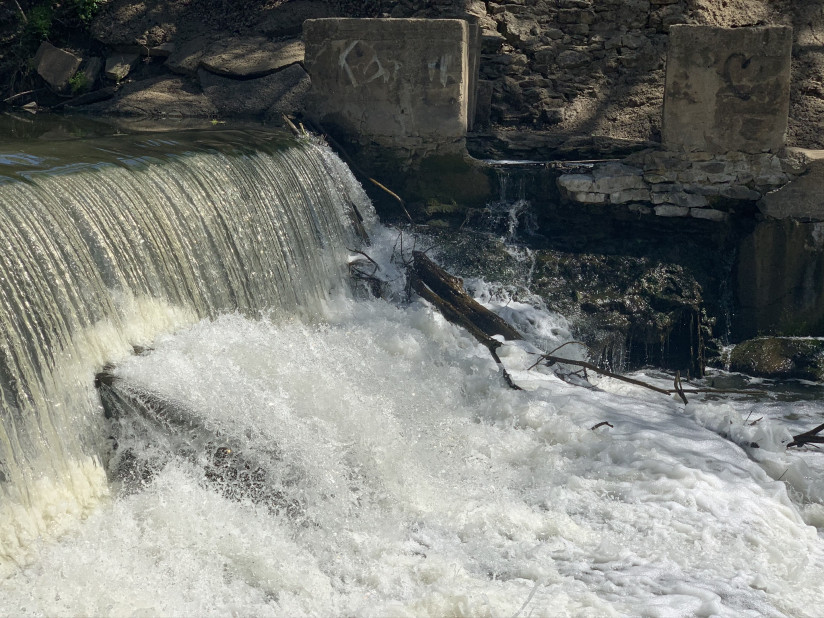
(117, 242)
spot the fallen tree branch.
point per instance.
(680, 389)
(808, 437)
(446, 292)
(602, 424)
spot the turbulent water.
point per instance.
(402, 477)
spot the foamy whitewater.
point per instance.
(385, 468)
(426, 487)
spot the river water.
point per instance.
(402, 476)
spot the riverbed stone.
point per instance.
(56, 66)
(250, 57)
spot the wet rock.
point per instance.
(56, 66)
(780, 358)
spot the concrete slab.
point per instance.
(249, 57)
(727, 89)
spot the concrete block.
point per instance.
(727, 88)
(391, 80)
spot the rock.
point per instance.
(780, 358)
(680, 198)
(571, 59)
(250, 57)
(56, 66)
(738, 192)
(90, 74)
(252, 97)
(185, 59)
(800, 199)
(576, 183)
(629, 195)
(287, 18)
(158, 97)
(708, 213)
(293, 99)
(667, 210)
(119, 65)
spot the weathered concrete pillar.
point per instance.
(403, 84)
(727, 89)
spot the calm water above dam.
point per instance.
(295, 449)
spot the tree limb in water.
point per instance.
(808, 437)
(446, 292)
(679, 389)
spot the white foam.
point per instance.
(429, 488)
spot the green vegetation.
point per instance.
(86, 9)
(78, 82)
(40, 20)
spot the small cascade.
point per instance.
(107, 253)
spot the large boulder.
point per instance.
(780, 358)
(56, 66)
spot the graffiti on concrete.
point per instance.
(361, 63)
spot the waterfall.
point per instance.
(104, 255)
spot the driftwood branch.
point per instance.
(808, 437)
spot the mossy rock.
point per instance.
(780, 358)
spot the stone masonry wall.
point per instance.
(598, 66)
(667, 184)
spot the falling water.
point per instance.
(103, 255)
